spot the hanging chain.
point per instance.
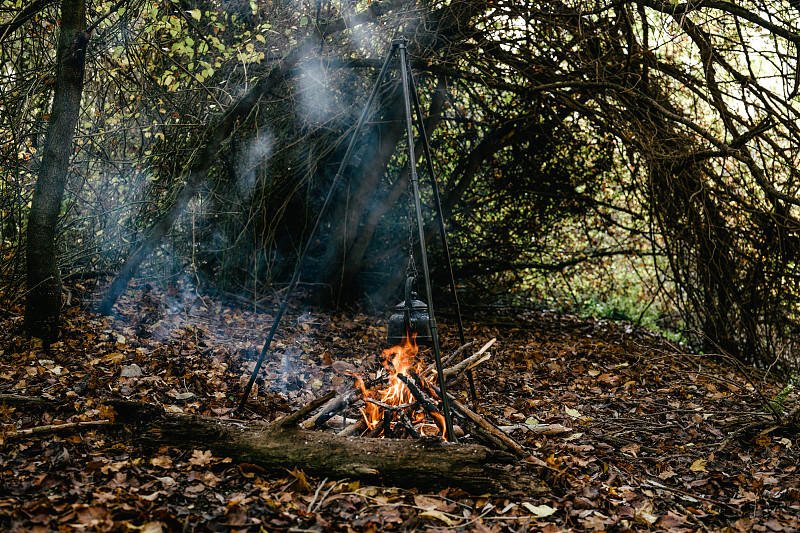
(411, 269)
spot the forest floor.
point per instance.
(658, 440)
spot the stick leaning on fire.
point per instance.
(482, 429)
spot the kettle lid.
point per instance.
(415, 304)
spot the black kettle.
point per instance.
(412, 316)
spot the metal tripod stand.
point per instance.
(409, 90)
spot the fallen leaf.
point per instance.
(699, 466)
(426, 502)
(667, 474)
(151, 497)
(438, 515)
(152, 527)
(539, 511)
(201, 458)
(343, 367)
(161, 461)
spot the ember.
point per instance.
(400, 407)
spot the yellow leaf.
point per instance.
(574, 413)
(195, 13)
(699, 466)
(152, 527)
(438, 515)
(539, 511)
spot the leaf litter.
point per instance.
(645, 440)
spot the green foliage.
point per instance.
(628, 161)
(778, 402)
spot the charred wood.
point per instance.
(296, 417)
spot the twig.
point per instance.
(466, 363)
(333, 406)
(316, 494)
(457, 352)
(54, 428)
(488, 430)
(431, 367)
(461, 370)
(424, 400)
(387, 406)
(322, 499)
(294, 418)
(649, 483)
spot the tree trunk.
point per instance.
(43, 305)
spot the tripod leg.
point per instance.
(405, 74)
(302, 259)
(440, 219)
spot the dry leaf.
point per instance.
(201, 458)
(539, 511)
(438, 515)
(343, 367)
(426, 502)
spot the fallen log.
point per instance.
(426, 463)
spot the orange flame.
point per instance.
(397, 360)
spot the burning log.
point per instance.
(387, 406)
(378, 429)
(423, 399)
(406, 422)
(356, 428)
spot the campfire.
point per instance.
(403, 406)
(403, 401)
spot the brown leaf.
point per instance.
(671, 520)
(343, 367)
(302, 480)
(195, 489)
(201, 458)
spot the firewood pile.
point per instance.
(403, 401)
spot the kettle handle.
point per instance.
(409, 299)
